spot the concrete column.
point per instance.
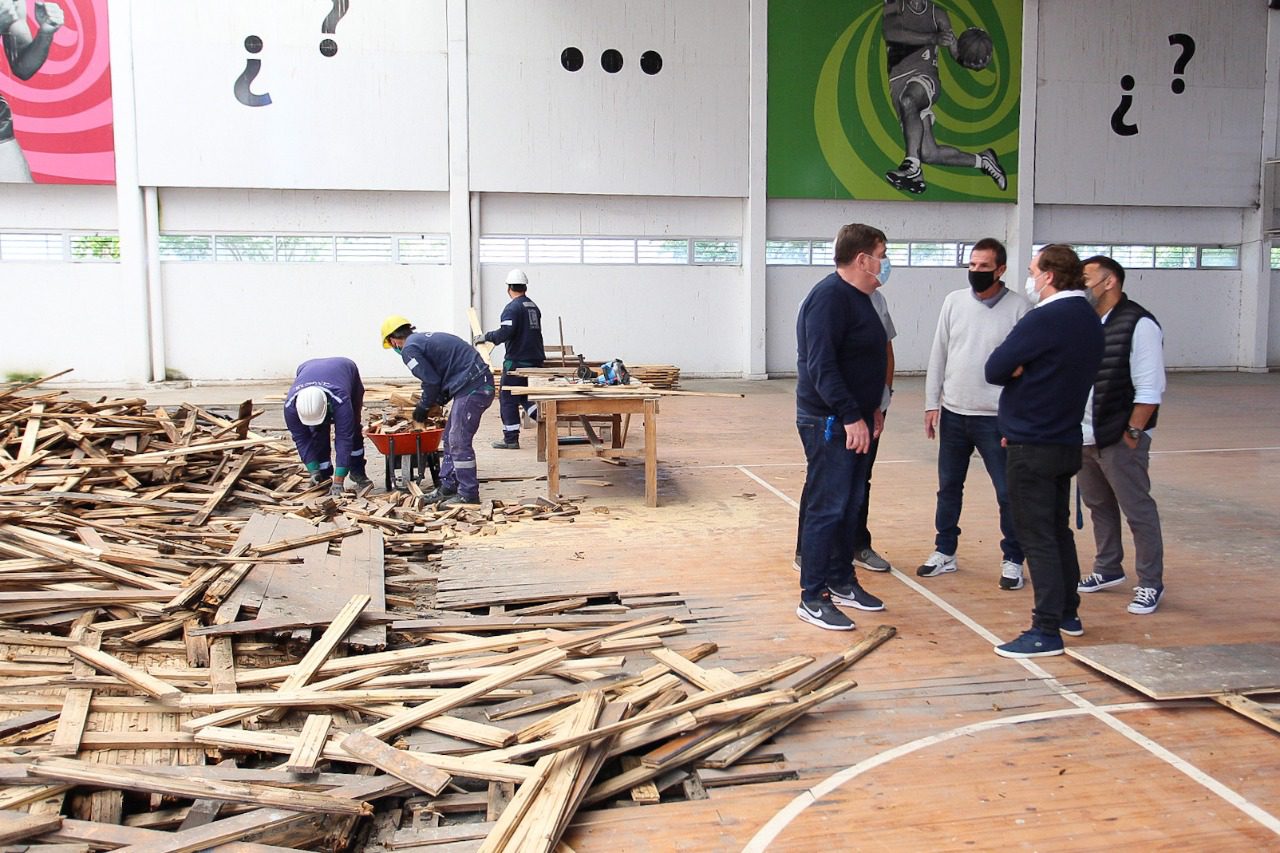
(155, 284)
(755, 205)
(1023, 215)
(1255, 248)
(460, 225)
(130, 212)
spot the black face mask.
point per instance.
(981, 280)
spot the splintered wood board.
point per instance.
(1188, 672)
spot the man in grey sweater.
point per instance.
(960, 405)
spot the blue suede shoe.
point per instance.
(1033, 643)
(1072, 627)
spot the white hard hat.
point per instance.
(517, 277)
(313, 405)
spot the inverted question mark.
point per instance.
(1188, 45)
(242, 90)
(328, 47)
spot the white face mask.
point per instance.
(886, 267)
(1033, 292)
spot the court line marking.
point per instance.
(782, 819)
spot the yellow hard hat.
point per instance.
(389, 325)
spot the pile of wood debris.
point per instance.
(198, 651)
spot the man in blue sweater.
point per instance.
(841, 367)
(450, 370)
(1047, 366)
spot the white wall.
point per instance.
(1273, 342)
(259, 321)
(917, 220)
(682, 315)
(536, 127)
(625, 216)
(53, 207)
(284, 211)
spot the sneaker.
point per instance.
(906, 177)
(853, 595)
(358, 480)
(1010, 575)
(1072, 627)
(438, 494)
(937, 564)
(990, 165)
(1033, 643)
(506, 445)
(824, 614)
(458, 500)
(871, 561)
(1095, 582)
(795, 562)
(1145, 600)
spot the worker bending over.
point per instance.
(328, 392)
(520, 330)
(449, 369)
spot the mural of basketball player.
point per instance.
(914, 31)
(25, 54)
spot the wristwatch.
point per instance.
(1133, 432)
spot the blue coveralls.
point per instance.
(340, 380)
(450, 369)
(521, 331)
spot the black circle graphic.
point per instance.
(253, 44)
(650, 62)
(611, 61)
(1126, 83)
(571, 59)
(328, 47)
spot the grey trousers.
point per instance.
(1114, 480)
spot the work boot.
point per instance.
(438, 494)
(458, 500)
(507, 445)
(358, 480)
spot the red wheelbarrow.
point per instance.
(420, 449)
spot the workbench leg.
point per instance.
(651, 452)
(551, 415)
(542, 433)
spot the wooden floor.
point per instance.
(943, 745)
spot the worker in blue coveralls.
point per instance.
(327, 392)
(520, 330)
(449, 369)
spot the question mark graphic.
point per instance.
(1119, 125)
(1188, 45)
(243, 93)
(328, 47)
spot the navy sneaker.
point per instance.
(795, 564)
(1033, 643)
(1095, 582)
(1145, 600)
(824, 614)
(1072, 627)
(853, 595)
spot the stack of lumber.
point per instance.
(660, 376)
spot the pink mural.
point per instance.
(55, 92)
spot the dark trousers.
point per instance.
(835, 481)
(509, 405)
(1040, 495)
(861, 536)
(318, 448)
(458, 468)
(958, 436)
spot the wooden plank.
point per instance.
(361, 561)
(311, 741)
(224, 488)
(1246, 707)
(22, 722)
(143, 681)
(15, 826)
(1188, 672)
(325, 646)
(396, 762)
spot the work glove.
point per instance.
(318, 477)
(335, 490)
(420, 413)
(479, 339)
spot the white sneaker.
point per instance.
(937, 564)
(1010, 575)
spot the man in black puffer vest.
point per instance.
(1117, 438)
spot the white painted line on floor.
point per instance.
(1214, 450)
(1083, 706)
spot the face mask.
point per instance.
(981, 280)
(886, 267)
(1092, 296)
(1033, 292)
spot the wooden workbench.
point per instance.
(552, 409)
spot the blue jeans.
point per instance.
(862, 536)
(958, 436)
(835, 484)
(458, 468)
(509, 405)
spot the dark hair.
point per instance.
(1108, 264)
(991, 244)
(1064, 263)
(517, 287)
(855, 239)
(403, 332)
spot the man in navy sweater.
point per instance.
(841, 366)
(1046, 366)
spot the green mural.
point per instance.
(941, 125)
